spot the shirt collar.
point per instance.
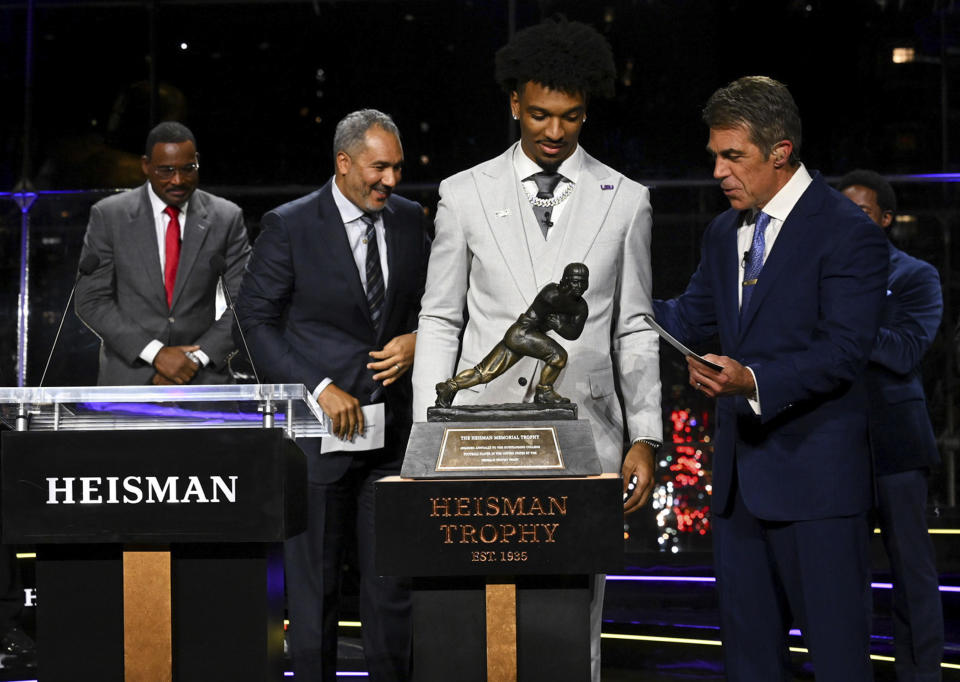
(525, 166)
(783, 201)
(158, 205)
(349, 211)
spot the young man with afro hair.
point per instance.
(509, 226)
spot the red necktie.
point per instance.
(172, 251)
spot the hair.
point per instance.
(762, 105)
(886, 197)
(561, 55)
(168, 132)
(352, 129)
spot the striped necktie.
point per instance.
(375, 287)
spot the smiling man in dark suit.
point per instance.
(791, 278)
(901, 438)
(152, 299)
(330, 300)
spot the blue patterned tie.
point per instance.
(751, 270)
(375, 288)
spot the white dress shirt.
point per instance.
(778, 208)
(160, 220)
(569, 169)
(356, 229)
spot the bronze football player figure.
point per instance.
(558, 307)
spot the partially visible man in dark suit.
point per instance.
(791, 278)
(901, 437)
(152, 299)
(330, 300)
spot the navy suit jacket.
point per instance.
(901, 436)
(806, 335)
(304, 311)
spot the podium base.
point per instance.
(450, 625)
(225, 599)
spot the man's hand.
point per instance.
(160, 380)
(735, 379)
(344, 411)
(394, 360)
(639, 463)
(172, 363)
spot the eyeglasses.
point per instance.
(167, 172)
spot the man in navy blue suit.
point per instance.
(792, 279)
(901, 438)
(330, 300)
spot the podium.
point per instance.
(159, 515)
(502, 561)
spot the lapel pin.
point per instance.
(504, 213)
(606, 186)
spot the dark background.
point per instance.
(263, 83)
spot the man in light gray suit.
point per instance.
(509, 226)
(152, 299)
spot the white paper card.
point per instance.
(665, 335)
(374, 425)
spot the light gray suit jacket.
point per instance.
(482, 264)
(124, 302)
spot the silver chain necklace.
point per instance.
(552, 201)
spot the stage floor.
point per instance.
(661, 621)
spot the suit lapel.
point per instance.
(499, 194)
(587, 213)
(789, 244)
(727, 267)
(144, 228)
(194, 233)
(335, 243)
(395, 258)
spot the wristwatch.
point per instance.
(652, 443)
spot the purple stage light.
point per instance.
(706, 579)
(154, 410)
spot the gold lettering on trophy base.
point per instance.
(445, 507)
(499, 521)
(489, 533)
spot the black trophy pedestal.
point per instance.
(502, 556)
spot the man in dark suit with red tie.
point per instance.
(791, 279)
(152, 298)
(901, 437)
(330, 300)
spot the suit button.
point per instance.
(522, 381)
(170, 320)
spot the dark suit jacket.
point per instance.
(124, 301)
(305, 314)
(807, 334)
(901, 436)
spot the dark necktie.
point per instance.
(546, 184)
(375, 288)
(754, 264)
(172, 250)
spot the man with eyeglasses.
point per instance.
(153, 297)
